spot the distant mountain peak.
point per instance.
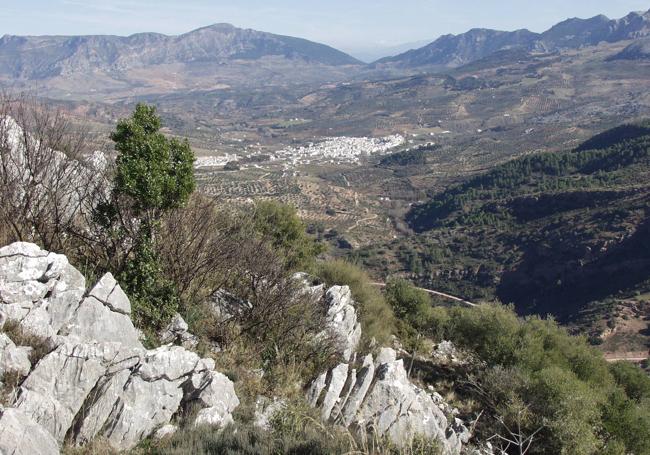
(478, 43)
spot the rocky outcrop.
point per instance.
(13, 359)
(177, 332)
(379, 398)
(97, 379)
(375, 395)
(342, 320)
(342, 326)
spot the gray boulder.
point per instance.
(342, 320)
(336, 382)
(13, 358)
(215, 393)
(227, 307)
(103, 316)
(29, 274)
(177, 331)
(55, 391)
(165, 431)
(20, 435)
(362, 382)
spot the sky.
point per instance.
(354, 26)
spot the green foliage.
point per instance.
(377, 318)
(408, 302)
(541, 173)
(540, 379)
(280, 224)
(412, 307)
(529, 232)
(153, 176)
(154, 171)
(413, 157)
(154, 299)
(632, 379)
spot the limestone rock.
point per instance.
(97, 380)
(399, 409)
(165, 431)
(265, 410)
(316, 389)
(380, 398)
(13, 358)
(177, 331)
(446, 352)
(342, 320)
(20, 435)
(309, 285)
(56, 389)
(337, 379)
(99, 406)
(104, 316)
(226, 306)
(29, 274)
(142, 407)
(362, 383)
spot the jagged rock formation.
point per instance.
(96, 378)
(379, 397)
(375, 394)
(342, 320)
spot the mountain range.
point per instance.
(221, 56)
(41, 57)
(213, 57)
(458, 50)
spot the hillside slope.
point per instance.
(554, 233)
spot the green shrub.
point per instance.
(376, 316)
(554, 386)
(408, 302)
(632, 379)
(154, 299)
(281, 226)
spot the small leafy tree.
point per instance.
(153, 175)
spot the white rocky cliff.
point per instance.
(92, 377)
(375, 394)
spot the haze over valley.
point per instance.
(345, 234)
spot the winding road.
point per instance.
(437, 293)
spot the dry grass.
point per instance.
(40, 346)
(99, 446)
(297, 430)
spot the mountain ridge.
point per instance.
(42, 57)
(456, 50)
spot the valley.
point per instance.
(354, 147)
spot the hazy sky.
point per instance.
(351, 25)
